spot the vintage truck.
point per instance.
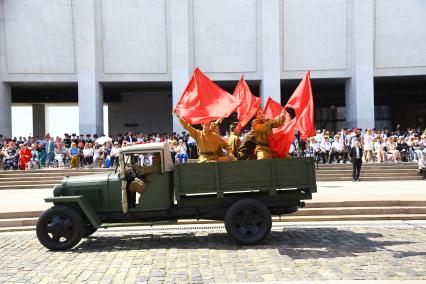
(243, 194)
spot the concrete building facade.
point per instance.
(365, 57)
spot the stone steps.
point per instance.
(359, 211)
(370, 170)
(380, 178)
(37, 179)
(366, 203)
(6, 174)
(364, 173)
(31, 182)
(48, 178)
(30, 186)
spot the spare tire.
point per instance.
(248, 221)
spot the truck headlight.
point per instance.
(57, 190)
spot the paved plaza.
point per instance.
(204, 253)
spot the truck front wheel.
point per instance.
(248, 221)
(59, 228)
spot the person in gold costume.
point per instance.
(262, 129)
(210, 145)
(234, 139)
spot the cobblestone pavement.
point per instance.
(206, 254)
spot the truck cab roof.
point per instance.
(162, 147)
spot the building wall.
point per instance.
(134, 38)
(313, 42)
(39, 37)
(150, 111)
(226, 38)
(400, 37)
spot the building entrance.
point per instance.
(144, 108)
(329, 101)
(403, 101)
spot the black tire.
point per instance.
(59, 228)
(88, 231)
(248, 221)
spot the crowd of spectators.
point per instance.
(88, 151)
(379, 145)
(83, 151)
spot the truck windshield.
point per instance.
(143, 159)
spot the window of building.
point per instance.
(382, 116)
(332, 117)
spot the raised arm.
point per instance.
(191, 130)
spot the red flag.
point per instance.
(204, 101)
(249, 103)
(281, 139)
(303, 104)
(272, 109)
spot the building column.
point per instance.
(5, 91)
(90, 95)
(271, 67)
(5, 110)
(360, 87)
(180, 52)
(39, 120)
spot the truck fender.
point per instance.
(81, 202)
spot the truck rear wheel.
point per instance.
(59, 228)
(248, 221)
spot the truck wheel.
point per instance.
(88, 230)
(248, 221)
(59, 228)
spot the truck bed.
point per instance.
(224, 178)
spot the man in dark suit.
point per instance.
(356, 157)
(130, 138)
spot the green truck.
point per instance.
(243, 194)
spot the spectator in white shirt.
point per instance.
(88, 154)
(336, 150)
(98, 156)
(114, 154)
(325, 148)
(319, 136)
(379, 149)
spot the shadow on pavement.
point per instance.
(403, 254)
(296, 243)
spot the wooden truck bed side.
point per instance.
(263, 175)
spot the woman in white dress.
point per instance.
(368, 146)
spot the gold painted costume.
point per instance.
(262, 129)
(234, 142)
(209, 144)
